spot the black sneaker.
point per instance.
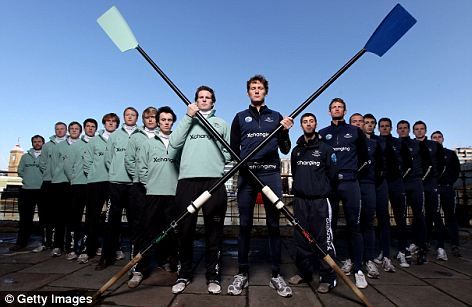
(421, 257)
(456, 252)
(103, 264)
(16, 247)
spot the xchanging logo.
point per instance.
(258, 134)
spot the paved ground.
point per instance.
(437, 283)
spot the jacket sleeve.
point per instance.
(379, 162)
(21, 166)
(88, 156)
(425, 157)
(284, 140)
(361, 148)
(235, 136)
(226, 137)
(441, 159)
(43, 158)
(143, 162)
(131, 157)
(109, 152)
(69, 164)
(178, 136)
(455, 167)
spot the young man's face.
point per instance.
(60, 130)
(166, 120)
(308, 124)
(130, 117)
(385, 128)
(110, 125)
(369, 125)
(438, 138)
(357, 120)
(257, 93)
(204, 100)
(337, 110)
(37, 143)
(419, 131)
(74, 131)
(90, 129)
(150, 121)
(403, 130)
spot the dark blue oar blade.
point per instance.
(392, 28)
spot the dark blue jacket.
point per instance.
(420, 158)
(438, 160)
(249, 128)
(452, 170)
(373, 171)
(349, 144)
(313, 168)
(397, 158)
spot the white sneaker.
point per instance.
(412, 249)
(387, 265)
(83, 258)
(441, 254)
(361, 282)
(99, 251)
(39, 249)
(401, 258)
(71, 256)
(240, 282)
(214, 287)
(372, 271)
(180, 285)
(347, 266)
(278, 283)
(56, 252)
(119, 255)
(379, 258)
(135, 280)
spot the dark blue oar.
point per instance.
(392, 28)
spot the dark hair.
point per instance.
(355, 114)
(75, 123)
(37, 136)
(91, 120)
(420, 122)
(308, 114)
(259, 78)
(132, 109)
(337, 100)
(369, 115)
(112, 116)
(436, 132)
(385, 119)
(166, 109)
(403, 122)
(205, 88)
(60, 123)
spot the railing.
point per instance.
(9, 203)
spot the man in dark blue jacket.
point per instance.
(349, 144)
(430, 184)
(412, 178)
(313, 168)
(446, 191)
(248, 129)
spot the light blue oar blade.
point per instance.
(392, 28)
(116, 27)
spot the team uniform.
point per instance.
(313, 168)
(47, 193)
(447, 196)
(420, 162)
(349, 144)
(30, 195)
(430, 184)
(248, 129)
(202, 165)
(74, 170)
(97, 191)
